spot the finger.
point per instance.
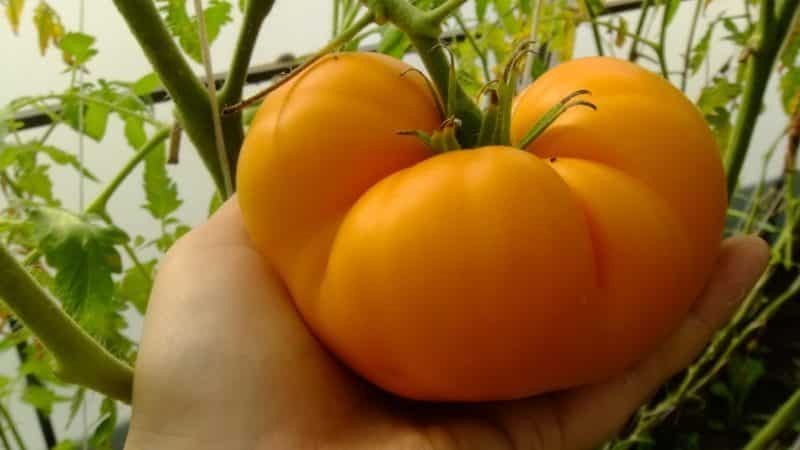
(591, 414)
(224, 227)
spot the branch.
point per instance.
(698, 7)
(783, 418)
(595, 32)
(633, 55)
(771, 32)
(80, 359)
(254, 16)
(474, 44)
(175, 73)
(98, 206)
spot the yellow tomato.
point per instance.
(491, 273)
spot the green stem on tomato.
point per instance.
(633, 55)
(771, 30)
(438, 65)
(79, 358)
(782, 419)
(98, 205)
(189, 95)
(662, 43)
(698, 8)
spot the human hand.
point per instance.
(226, 362)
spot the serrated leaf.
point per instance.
(134, 132)
(84, 255)
(36, 181)
(161, 192)
(14, 13)
(146, 84)
(700, 50)
(77, 47)
(48, 26)
(720, 122)
(41, 398)
(135, 286)
(717, 95)
(12, 154)
(790, 89)
(184, 27)
(165, 241)
(394, 42)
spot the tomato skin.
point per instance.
(491, 273)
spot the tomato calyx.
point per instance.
(442, 140)
(554, 113)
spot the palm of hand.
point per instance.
(226, 363)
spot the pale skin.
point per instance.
(227, 363)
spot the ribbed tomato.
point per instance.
(490, 273)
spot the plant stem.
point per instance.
(698, 8)
(771, 30)
(216, 120)
(441, 12)
(474, 44)
(636, 38)
(189, 95)
(784, 417)
(13, 427)
(45, 424)
(4, 439)
(98, 206)
(254, 15)
(595, 31)
(632, 56)
(438, 65)
(80, 359)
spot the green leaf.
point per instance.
(214, 204)
(78, 47)
(135, 286)
(622, 35)
(36, 181)
(717, 95)
(101, 438)
(66, 445)
(184, 27)
(720, 122)
(161, 192)
(11, 155)
(790, 89)
(505, 11)
(700, 50)
(166, 240)
(96, 120)
(84, 255)
(789, 54)
(41, 398)
(394, 42)
(14, 13)
(480, 9)
(75, 404)
(146, 84)
(134, 132)
(670, 8)
(48, 26)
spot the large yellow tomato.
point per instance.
(491, 273)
